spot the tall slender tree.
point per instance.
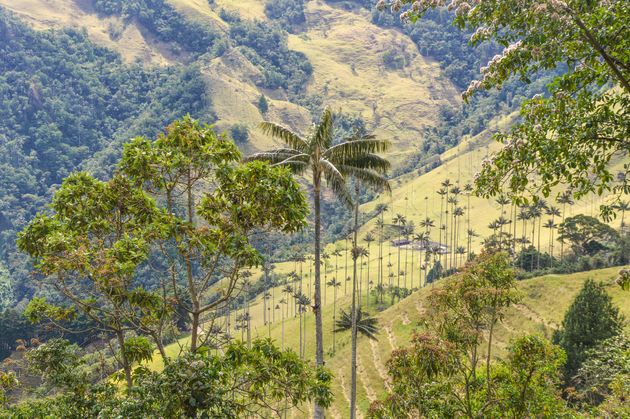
(399, 221)
(334, 162)
(334, 284)
(369, 238)
(623, 206)
(565, 199)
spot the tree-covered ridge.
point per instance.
(266, 46)
(63, 99)
(164, 22)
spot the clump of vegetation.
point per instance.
(239, 133)
(259, 380)
(591, 319)
(263, 104)
(289, 13)
(265, 45)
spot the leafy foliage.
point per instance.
(290, 13)
(256, 381)
(240, 200)
(587, 235)
(590, 319)
(573, 135)
(605, 363)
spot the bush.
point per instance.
(530, 259)
(263, 104)
(239, 133)
(590, 319)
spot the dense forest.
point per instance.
(154, 265)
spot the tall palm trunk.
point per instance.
(318, 412)
(334, 314)
(353, 362)
(539, 234)
(380, 257)
(368, 276)
(345, 279)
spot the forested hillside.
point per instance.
(68, 101)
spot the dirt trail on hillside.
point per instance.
(378, 363)
(362, 376)
(390, 336)
(532, 315)
(404, 318)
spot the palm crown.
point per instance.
(352, 157)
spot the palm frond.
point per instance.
(268, 156)
(366, 325)
(335, 181)
(366, 177)
(355, 149)
(285, 134)
(298, 163)
(367, 161)
(323, 134)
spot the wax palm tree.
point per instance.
(446, 184)
(523, 215)
(468, 190)
(407, 232)
(551, 226)
(366, 325)
(363, 253)
(288, 290)
(455, 192)
(565, 199)
(352, 157)
(325, 257)
(369, 238)
(542, 205)
(502, 200)
(427, 224)
(302, 302)
(266, 298)
(422, 238)
(334, 284)
(553, 212)
(471, 234)
(380, 225)
(399, 220)
(461, 250)
(458, 212)
(623, 206)
(442, 192)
